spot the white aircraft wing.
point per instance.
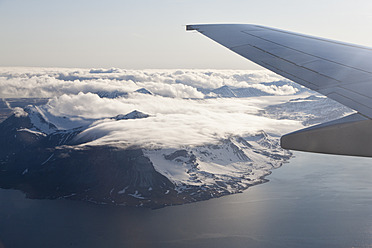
(341, 71)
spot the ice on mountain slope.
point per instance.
(39, 120)
(62, 129)
(255, 90)
(45, 122)
(37, 133)
(310, 110)
(231, 165)
(236, 162)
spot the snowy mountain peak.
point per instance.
(111, 95)
(132, 115)
(309, 98)
(39, 120)
(229, 166)
(309, 110)
(144, 91)
(224, 91)
(264, 140)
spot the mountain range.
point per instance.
(42, 157)
(47, 153)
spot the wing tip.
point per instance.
(191, 27)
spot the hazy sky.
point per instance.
(140, 34)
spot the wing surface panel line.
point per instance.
(296, 64)
(313, 37)
(315, 56)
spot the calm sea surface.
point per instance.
(313, 201)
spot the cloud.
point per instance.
(101, 70)
(19, 112)
(180, 115)
(172, 90)
(50, 82)
(173, 122)
(276, 90)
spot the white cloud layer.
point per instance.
(50, 82)
(276, 90)
(173, 122)
(179, 113)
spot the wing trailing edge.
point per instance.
(351, 135)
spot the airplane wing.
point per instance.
(341, 71)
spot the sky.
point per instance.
(149, 34)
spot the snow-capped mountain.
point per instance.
(132, 115)
(143, 91)
(45, 160)
(230, 166)
(255, 90)
(115, 94)
(7, 105)
(310, 110)
(145, 137)
(224, 91)
(51, 156)
(39, 121)
(112, 95)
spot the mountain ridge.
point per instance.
(46, 162)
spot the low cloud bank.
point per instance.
(51, 82)
(180, 113)
(173, 122)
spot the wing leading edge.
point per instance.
(341, 71)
